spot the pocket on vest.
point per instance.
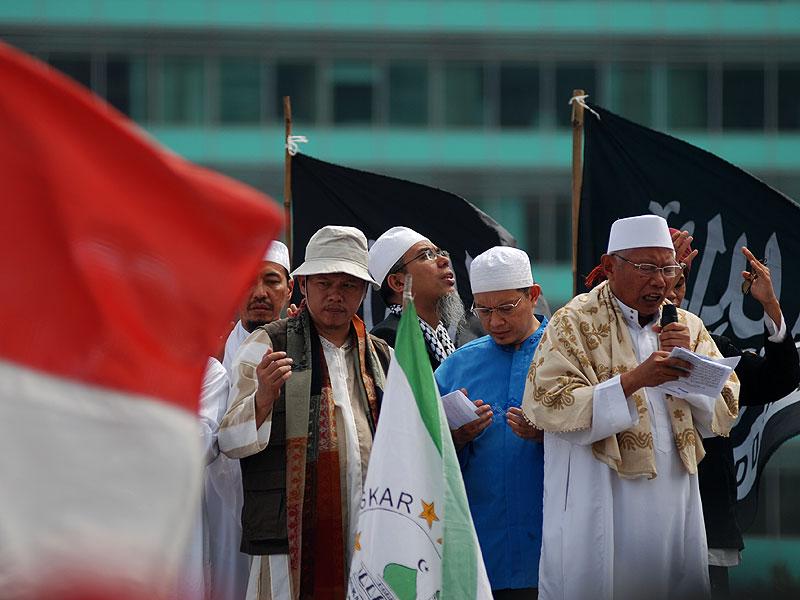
(264, 514)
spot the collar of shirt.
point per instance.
(330, 345)
(632, 315)
(532, 339)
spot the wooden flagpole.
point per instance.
(577, 180)
(287, 172)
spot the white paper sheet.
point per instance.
(707, 377)
(459, 409)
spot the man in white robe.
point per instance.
(622, 512)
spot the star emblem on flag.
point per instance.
(428, 513)
(357, 544)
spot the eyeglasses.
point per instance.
(426, 255)
(504, 310)
(669, 272)
(748, 283)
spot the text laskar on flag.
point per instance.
(415, 537)
(122, 264)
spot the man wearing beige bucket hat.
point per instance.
(304, 404)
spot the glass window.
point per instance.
(353, 89)
(563, 229)
(463, 95)
(519, 95)
(240, 90)
(569, 78)
(183, 89)
(631, 92)
(789, 97)
(299, 81)
(687, 97)
(126, 85)
(77, 66)
(743, 98)
(408, 94)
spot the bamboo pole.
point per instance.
(287, 173)
(577, 180)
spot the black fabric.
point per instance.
(632, 170)
(763, 379)
(327, 194)
(387, 331)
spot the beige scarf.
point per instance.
(586, 343)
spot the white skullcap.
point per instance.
(645, 231)
(388, 249)
(278, 253)
(500, 268)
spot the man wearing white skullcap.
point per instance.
(269, 295)
(622, 511)
(222, 500)
(400, 251)
(500, 453)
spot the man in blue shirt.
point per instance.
(501, 454)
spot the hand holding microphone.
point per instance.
(672, 333)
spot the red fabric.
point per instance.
(121, 263)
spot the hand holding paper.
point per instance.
(707, 377)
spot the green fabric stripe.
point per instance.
(413, 359)
(459, 548)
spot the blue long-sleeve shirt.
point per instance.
(503, 473)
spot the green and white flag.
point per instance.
(415, 537)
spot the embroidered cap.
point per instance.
(278, 253)
(500, 268)
(337, 249)
(644, 231)
(388, 249)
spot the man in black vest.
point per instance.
(304, 405)
(401, 251)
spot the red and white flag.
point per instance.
(120, 265)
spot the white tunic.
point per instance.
(235, 338)
(607, 537)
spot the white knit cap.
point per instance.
(337, 249)
(388, 249)
(278, 253)
(645, 231)
(500, 268)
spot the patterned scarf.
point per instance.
(314, 496)
(588, 342)
(438, 339)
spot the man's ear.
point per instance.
(396, 282)
(289, 288)
(534, 293)
(608, 263)
(301, 279)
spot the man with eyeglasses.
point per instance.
(622, 511)
(401, 251)
(500, 453)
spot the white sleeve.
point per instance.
(776, 334)
(702, 408)
(213, 393)
(612, 412)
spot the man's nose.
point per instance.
(495, 319)
(442, 261)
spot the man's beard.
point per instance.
(450, 310)
(251, 326)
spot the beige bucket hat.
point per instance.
(337, 249)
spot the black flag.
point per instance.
(632, 170)
(328, 194)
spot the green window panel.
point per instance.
(519, 95)
(240, 90)
(631, 92)
(183, 90)
(76, 66)
(299, 81)
(353, 90)
(463, 95)
(408, 93)
(126, 85)
(789, 97)
(743, 98)
(687, 97)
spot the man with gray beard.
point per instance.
(401, 251)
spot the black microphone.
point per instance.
(669, 314)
